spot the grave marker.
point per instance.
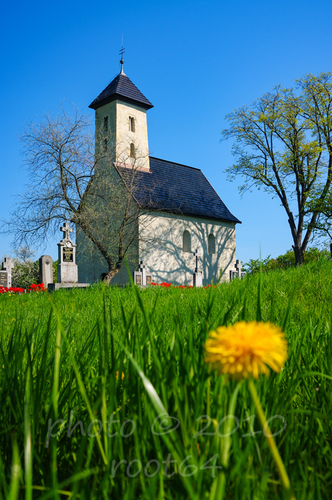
(7, 266)
(46, 270)
(198, 274)
(238, 273)
(141, 277)
(4, 279)
(67, 268)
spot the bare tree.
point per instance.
(70, 181)
(283, 143)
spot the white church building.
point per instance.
(182, 212)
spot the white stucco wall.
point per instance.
(119, 135)
(161, 240)
(160, 247)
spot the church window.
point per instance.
(132, 150)
(186, 247)
(211, 244)
(105, 123)
(131, 124)
(105, 145)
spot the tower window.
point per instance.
(132, 150)
(186, 246)
(131, 124)
(211, 244)
(105, 123)
(105, 145)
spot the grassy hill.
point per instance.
(88, 377)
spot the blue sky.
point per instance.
(195, 61)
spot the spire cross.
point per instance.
(121, 52)
(66, 230)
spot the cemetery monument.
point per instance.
(141, 277)
(198, 274)
(67, 267)
(46, 270)
(6, 272)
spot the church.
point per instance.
(177, 210)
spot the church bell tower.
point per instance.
(121, 124)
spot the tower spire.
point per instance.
(121, 52)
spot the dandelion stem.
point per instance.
(273, 447)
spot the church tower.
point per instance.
(121, 124)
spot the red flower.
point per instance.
(37, 288)
(11, 289)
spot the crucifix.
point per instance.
(143, 271)
(121, 52)
(238, 267)
(8, 266)
(66, 230)
(198, 275)
(196, 254)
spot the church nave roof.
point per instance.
(178, 189)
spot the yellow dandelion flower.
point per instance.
(246, 348)
(122, 375)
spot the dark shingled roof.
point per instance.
(121, 87)
(177, 189)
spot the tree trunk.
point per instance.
(299, 254)
(110, 275)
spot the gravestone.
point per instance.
(45, 270)
(238, 273)
(7, 266)
(141, 277)
(4, 279)
(198, 274)
(67, 267)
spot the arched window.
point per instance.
(186, 247)
(132, 150)
(211, 244)
(105, 145)
(131, 124)
(105, 123)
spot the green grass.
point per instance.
(61, 363)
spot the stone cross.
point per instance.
(66, 230)
(143, 271)
(141, 266)
(8, 265)
(238, 267)
(196, 254)
(198, 275)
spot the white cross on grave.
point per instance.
(198, 275)
(66, 230)
(238, 267)
(143, 271)
(141, 266)
(8, 265)
(196, 254)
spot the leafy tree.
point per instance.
(26, 270)
(284, 261)
(70, 181)
(283, 144)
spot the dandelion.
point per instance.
(118, 375)
(246, 349)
